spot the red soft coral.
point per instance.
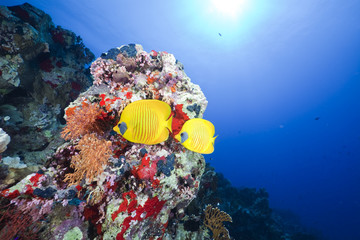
(152, 208)
(178, 119)
(145, 170)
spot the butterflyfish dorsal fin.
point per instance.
(213, 139)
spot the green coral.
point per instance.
(73, 234)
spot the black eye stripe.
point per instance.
(122, 127)
(184, 136)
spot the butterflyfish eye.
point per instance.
(184, 136)
(122, 126)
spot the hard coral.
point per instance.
(91, 161)
(102, 70)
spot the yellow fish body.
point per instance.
(197, 135)
(145, 121)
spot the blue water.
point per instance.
(283, 84)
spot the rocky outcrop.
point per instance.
(137, 188)
(42, 69)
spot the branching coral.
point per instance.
(81, 121)
(214, 219)
(91, 160)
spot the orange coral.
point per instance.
(151, 80)
(214, 219)
(91, 160)
(70, 111)
(153, 77)
(173, 88)
(81, 121)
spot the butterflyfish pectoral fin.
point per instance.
(116, 129)
(177, 137)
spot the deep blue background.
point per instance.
(276, 67)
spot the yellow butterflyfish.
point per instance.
(197, 135)
(145, 121)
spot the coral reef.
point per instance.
(123, 190)
(42, 69)
(88, 182)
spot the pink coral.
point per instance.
(101, 69)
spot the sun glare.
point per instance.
(228, 8)
(228, 21)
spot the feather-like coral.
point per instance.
(82, 121)
(214, 219)
(91, 161)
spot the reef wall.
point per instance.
(42, 69)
